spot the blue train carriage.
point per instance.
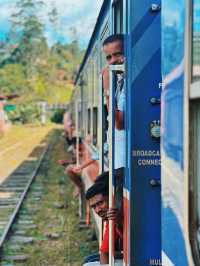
(87, 104)
(143, 131)
(140, 22)
(180, 132)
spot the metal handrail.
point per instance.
(112, 74)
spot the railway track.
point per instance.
(13, 192)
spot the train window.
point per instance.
(105, 33)
(79, 121)
(95, 127)
(90, 83)
(196, 41)
(118, 16)
(89, 121)
(194, 175)
(95, 79)
(194, 140)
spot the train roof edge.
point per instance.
(91, 41)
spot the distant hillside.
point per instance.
(29, 67)
(49, 77)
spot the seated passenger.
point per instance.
(97, 196)
(68, 124)
(74, 172)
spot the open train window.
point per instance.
(89, 121)
(118, 16)
(105, 33)
(95, 123)
(194, 133)
(79, 120)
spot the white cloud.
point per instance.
(7, 8)
(80, 14)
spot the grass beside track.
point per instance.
(18, 143)
(72, 244)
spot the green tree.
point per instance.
(30, 31)
(12, 79)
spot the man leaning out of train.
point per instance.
(113, 48)
(97, 197)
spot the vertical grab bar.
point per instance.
(101, 140)
(77, 154)
(101, 126)
(111, 159)
(112, 74)
(77, 133)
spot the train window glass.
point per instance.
(95, 79)
(118, 17)
(84, 120)
(95, 123)
(79, 120)
(196, 41)
(90, 83)
(89, 121)
(105, 33)
(194, 174)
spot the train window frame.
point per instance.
(118, 16)
(95, 126)
(95, 66)
(105, 32)
(193, 143)
(89, 121)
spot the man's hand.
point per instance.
(77, 169)
(114, 215)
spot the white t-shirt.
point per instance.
(120, 135)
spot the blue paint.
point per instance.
(173, 48)
(173, 241)
(142, 26)
(144, 76)
(172, 136)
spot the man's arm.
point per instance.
(119, 119)
(104, 249)
(104, 258)
(78, 169)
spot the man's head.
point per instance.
(113, 47)
(97, 196)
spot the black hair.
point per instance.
(114, 38)
(96, 188)
(103, 178)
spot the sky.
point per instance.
(81, 14)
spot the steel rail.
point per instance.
(21, 199)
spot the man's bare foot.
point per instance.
(65, 162)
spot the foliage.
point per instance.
(25, 113)
(31, 68)
(12, 79)
(58, 117)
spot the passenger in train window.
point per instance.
(114, 51)
(97, 196)
(113, 48)
(74, 173)
(69, 130)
